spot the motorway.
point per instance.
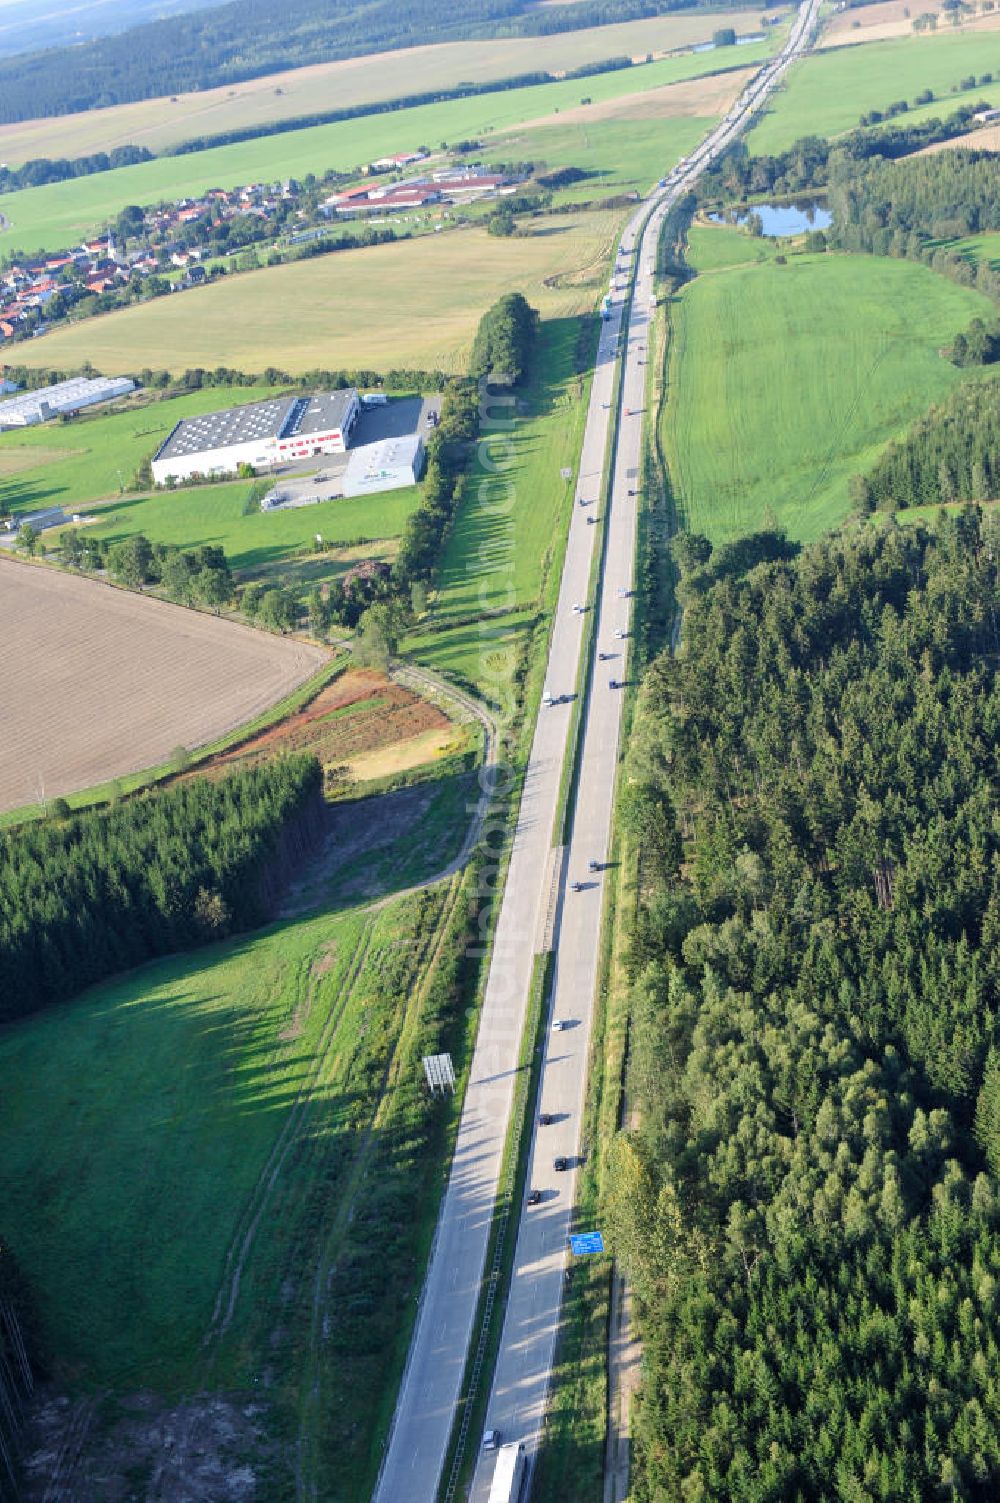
(431, 1386)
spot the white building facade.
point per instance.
(33, 407)
(263, 435)
(386, 466)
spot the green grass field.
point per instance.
(185, 1171)
(510, 524)
(828, 92)
(789, 379)
(59, 214)
(214, 514)
(178, 1081)
(718, 248)
(622, 154)
(88, 459)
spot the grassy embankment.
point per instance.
(164, 122)
(60, 214)
(787, 380)
(827, 92)
(498, 579)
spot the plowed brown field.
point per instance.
(97, 682)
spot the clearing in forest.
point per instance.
(787, 380)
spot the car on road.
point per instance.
(560, 1023)
(604, 657)
(576, 887)
(595, 866)
(534, 1196)
(546, 1119)
(613, 683)
(491, 1440)
(620, 635)
(578, 609)
(592, 520)
(560, 1164)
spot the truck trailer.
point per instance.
(508, 1479)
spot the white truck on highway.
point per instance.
(508, 1478)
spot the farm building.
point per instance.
(385, 466)
(261, 434)
(33, 407)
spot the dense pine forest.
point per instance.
(809, 1209)
(895, 208)
(248, 38)
(951, 454)
(84, 897)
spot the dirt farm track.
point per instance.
(98, 682)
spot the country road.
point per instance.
(431, 1386)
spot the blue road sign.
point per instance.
(587, 1242)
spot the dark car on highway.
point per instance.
(560, 1164)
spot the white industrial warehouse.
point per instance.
(33, 407)
(385, 466)
(280, 430)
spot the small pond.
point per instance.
(783, 219)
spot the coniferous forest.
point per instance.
(85, 897)
(950, 454)
(809, 1208)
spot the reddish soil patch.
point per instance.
(361, 711)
